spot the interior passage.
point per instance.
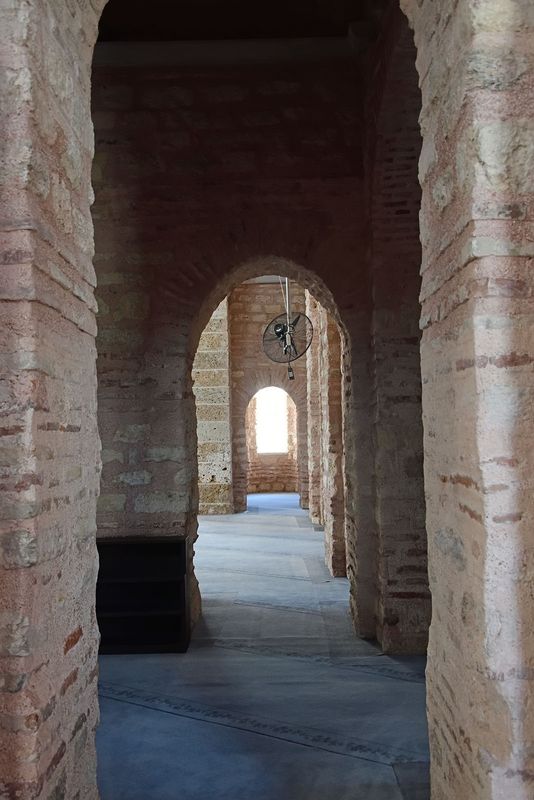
(276, 698)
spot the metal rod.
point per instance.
(288, 305)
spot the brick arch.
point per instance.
(479, 670)
(266, 373)
(261, 379)
(255, 267)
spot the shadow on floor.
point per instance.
(276, 698)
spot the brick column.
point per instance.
(394, 145)
(332, 488)
(359, 474)
(211, 376)
(475, 62)
(314, 416)
(50, 450)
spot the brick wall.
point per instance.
(394, 145)
(151, 133)
(290, 197)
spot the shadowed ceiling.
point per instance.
(167, 20)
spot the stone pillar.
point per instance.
(359, 474)
(50, 450)
(302, 449)
(250, 434)
(394, 103)
(332, 488)
(292, 435)
(475, 62)
(325, 434)
(314, 415)
(211, 376)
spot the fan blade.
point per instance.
(284, 348)
(292, 343)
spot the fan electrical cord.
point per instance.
(285, 297)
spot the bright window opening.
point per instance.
(271, 421)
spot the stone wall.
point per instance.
(211, 377)
(272, 472)
(251, 307)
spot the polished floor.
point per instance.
(276, 698)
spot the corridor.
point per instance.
(276, 699)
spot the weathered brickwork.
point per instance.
(251, 307)
(325, 435)
(211, 379)
(314, 416)
(287, 139)
(255, 143)
(477, 83)
(50, 453)
(394, 145)
(332, 488)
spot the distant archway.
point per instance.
(272, 442)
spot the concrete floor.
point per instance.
(276, 698)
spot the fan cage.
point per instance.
(301, 334)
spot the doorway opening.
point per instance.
(238, 389)
(272, 446)
(148, 338)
